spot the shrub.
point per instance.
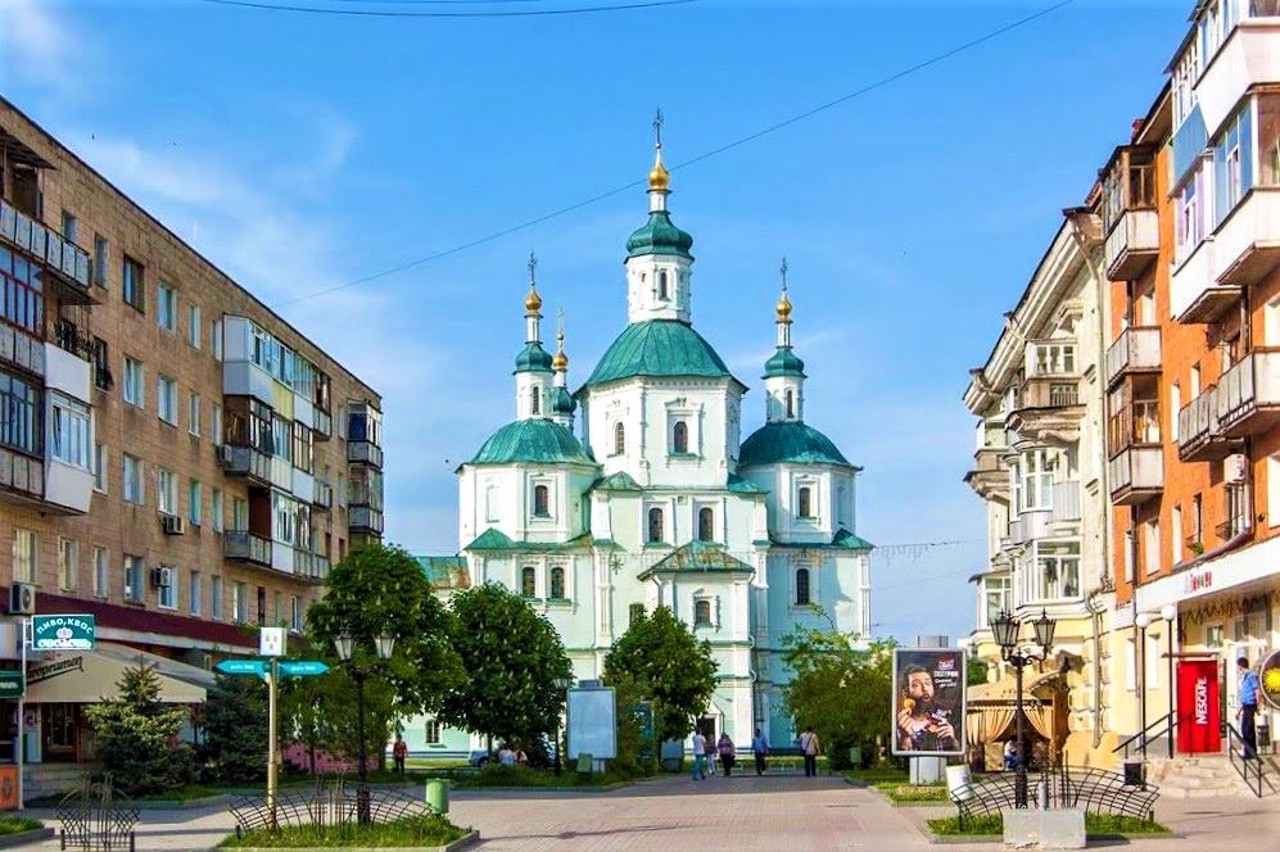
(138, 736)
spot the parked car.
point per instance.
(479, 757)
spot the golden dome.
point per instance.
(533, 302)
(560, 363)
(659, 177)
(784, 308)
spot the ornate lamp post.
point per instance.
(562, 684)
(1006, 629)
(345, 644)
(1169, 612)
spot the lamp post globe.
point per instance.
(1044, 628)
(344, 644)
(385, 643)
(1168, 612)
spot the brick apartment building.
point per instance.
(175, 459)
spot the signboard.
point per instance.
(302, 668)
(593, 723)
(928, 702)
(1198, 707)
(39, 673)
(1269, 678)
(63, 632)
(271, 641)
(12, 684)
(242, 667)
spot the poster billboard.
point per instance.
(1269, 679)
(592, 723)
(1198, 708)
(928, 702)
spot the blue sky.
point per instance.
(301, 152)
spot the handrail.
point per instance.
(1247, 767)
(1170, 725)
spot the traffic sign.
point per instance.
(302, 668)
(242, 667)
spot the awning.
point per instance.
(1005, 691)
(87, 677)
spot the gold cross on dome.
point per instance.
(533, 265)
(657, 127)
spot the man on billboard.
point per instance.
(927, 710)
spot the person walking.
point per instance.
(759, 750)
(1249, 688)
(728, 753)
(399, 752)
(810, 746)
(699, 756)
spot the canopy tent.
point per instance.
(87, 677)
(992, 708)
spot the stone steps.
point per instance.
(1196, 777)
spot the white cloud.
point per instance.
(42, 48)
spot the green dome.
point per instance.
(658, 348)
(790, 442)
(659, 236)
(535, 441)
(784, 363)
(534, 359)
(562, 402)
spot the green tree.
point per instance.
(975, 671)
(669, 667)
(137, 736)
(235, 727)
(512, 657)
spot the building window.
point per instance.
(69, 429)
(215, 598)
(167, 594)
(195, 593)
(680, 437)
(24, 305)
(791, 404)
(528, 582)
(541, 501)
(702, 613)
(635, 612)
(100, 468)
(804, 502)
(166, 307)
(70, 226)
(215, 339)
(535, 400)
(195, 497)
(102, 379)
(21, 423)
(166, 492)
(662, 285)
(135, 392)
(802, 587)
(133, 285)
(216, 425)
(193, 414)
(619, 439)
(1151, 547)
(134, 591)
(432, 732)
(194, 329)
(295, 614)
(1055, 573)
(100, 254)
(706, 524)
(557, 583)
(655, 526)
(262, 606)
(24, 556)
(101, 573)
(215, 509)
(68, 555)
(133, 480)
(303, 448)
(997, 593)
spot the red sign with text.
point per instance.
(1198, 708)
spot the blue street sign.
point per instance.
(302, 668)
(242, 667)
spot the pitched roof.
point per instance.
(445, 572)
(744, 486)
(620, 481)
(789, 442)
(533, 441)
(699, 556)
(658, 348)
(842, 539)
(495, 539)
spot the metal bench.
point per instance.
(1089, 789)
(331, 802)
(93, 818)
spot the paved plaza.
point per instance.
(739, 813)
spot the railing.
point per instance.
(1251, 383)
(1066, 501)
(1164, 728)
(245, 461)
(1040, 392)
(313, 566)
(1092, 790)
(364, 452)
(69, 338)
(1136, 348)
(1249, 767)
(1198, 421)
(360, 517)
(1136, 423)
(322, 494)
(246, 546)
(322, 424)
(61, 256)
(1232, 527)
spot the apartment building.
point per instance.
(1039, 469)
(175, 459)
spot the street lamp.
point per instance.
(1143, 621)
(1169, 612)
(562, 684)
(1006, 628)
(345, 644)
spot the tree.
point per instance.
(137, 736)
(975, 671)
(669, 667)
(235, 726)
(513, 657)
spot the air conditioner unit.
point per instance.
(1235, 468)
(173, 524)
(22, 599)
(225, 455)
(162, 578)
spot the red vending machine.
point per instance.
(1198, 707)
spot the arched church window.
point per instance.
(619, 439)
(680, 437)
(791, 404)
(804, 502)
(535, 401)
(655, 525)
(702, 614)
(662, 285)
(706, 524)
(528, 582)
(541, 501)
(802, 587)
(557, 583)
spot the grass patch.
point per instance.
(916, 792)
(1095, 825)
(879, 777)
(16, 825)
(184, 793)
(428, 830)
(523, 776)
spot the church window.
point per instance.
(680, 437)
(635, 613)
(706, 524)
(802, 587)
(557, 583)
(541, 501)
(804, 502)
(662, 285)
(528, 582)
(655, 525)
(535, 401)
(619, 439)
(702, 613)
(791, 404)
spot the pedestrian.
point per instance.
(699, 756)
(728, 753)
(507, 755)
(1249, 688)
(759, 750)
(810, 746)
(1010, 756)
(399, 752)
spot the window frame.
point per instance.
(803, 586)
(655, 521)
(166, 307)
(541, 501)
(68, 563)
(556, 586)
(706, 523)
(195, 327)
(134, 487)
(133, 286)
(680, 438)
(101, 572)
(134, 391)
(167, 399)
(70, 431)
(703, 613)
(26, 555)
(529, 582)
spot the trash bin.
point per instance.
(855, 757)
(437, 795)
(958, 783)
(1264, 732)
(1134, 773)
(584, 762)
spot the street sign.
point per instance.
(242, 667)
(12, 684)
(271, 641)
(63, 632)
(302, 668)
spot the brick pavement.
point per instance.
(739, 813)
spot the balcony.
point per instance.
(244, 546)
(322, 424)
(988, 478)
(1066, 502)
(1136, 475)
(1049, 409)
(1129, 216)
(1246, 59)
(364, 452)
(21, 476)
(1132, 246)
(1028, 526)
(1200, 437)
(1136, 350)
(1195, 294)
(67, 262)
(248, 462)
(1247, 243)
(310, 566)
(364, 519)
(321, 494)
(1248, 395)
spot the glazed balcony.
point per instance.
(1136, 475)
(1248, 395)
(1200, 435)
(1195, 294)
(1066, 502)
(67, 262)
(1136, 350)
(248, 462)
(1129, 215)
(1247, 243)
(244, 546)
(321, 494)
(364, 452)
(310, 566)
(322, 425)
(364, 519)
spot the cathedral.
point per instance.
(636, 490)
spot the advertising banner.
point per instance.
(928, 702)
(63, 632)
(1198, 707)
(1269, 678)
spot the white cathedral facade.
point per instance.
(637, 490)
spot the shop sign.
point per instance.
(1198, 580)
(12, 684)
(75, 664)
(63, 632)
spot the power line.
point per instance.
(773, 128)
(405, 13)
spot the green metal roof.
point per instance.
(496, 539)
(658, 348)
(792, 442)
(698, 556)
(842, 539)
(659, 236)
(534, 441)
(562, 402)
(744, 486)
(445, 572)
(620, 481)
(784, 363)
(533, 359)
